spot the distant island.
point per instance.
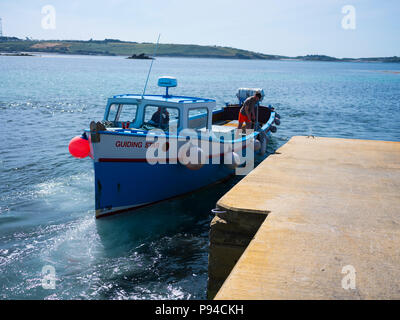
(140, 56)
(327, 58)
(144, 50)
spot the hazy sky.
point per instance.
(285, 27)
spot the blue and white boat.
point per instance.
(137, 130)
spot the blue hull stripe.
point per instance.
(132, 184)
(111, 213)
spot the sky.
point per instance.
(282, 27)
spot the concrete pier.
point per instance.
(319, 219)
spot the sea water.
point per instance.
(47, 197)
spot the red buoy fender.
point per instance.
(79, 147)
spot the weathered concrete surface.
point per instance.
(331, 203)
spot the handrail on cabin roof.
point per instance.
(184, 99)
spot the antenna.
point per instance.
(148, 75)
(1, 28)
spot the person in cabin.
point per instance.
(160, 118)
(247, 111)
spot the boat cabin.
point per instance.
(134, 111)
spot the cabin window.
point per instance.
(122, 112)
(127, 112)
(160, 117)
(198, 118)
(112, 112)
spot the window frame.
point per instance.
(207, 118)
(119, 110)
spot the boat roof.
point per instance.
(164, 98)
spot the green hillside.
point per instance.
(117, 47)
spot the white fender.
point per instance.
(185, 155)
(232, 160)
(257, 145)
(263, 141)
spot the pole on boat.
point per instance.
(154, 55)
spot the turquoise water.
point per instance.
(47, 197)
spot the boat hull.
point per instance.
(125, 180)
(122, 185)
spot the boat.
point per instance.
(151, 148)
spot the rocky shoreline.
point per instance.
(17, 54)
